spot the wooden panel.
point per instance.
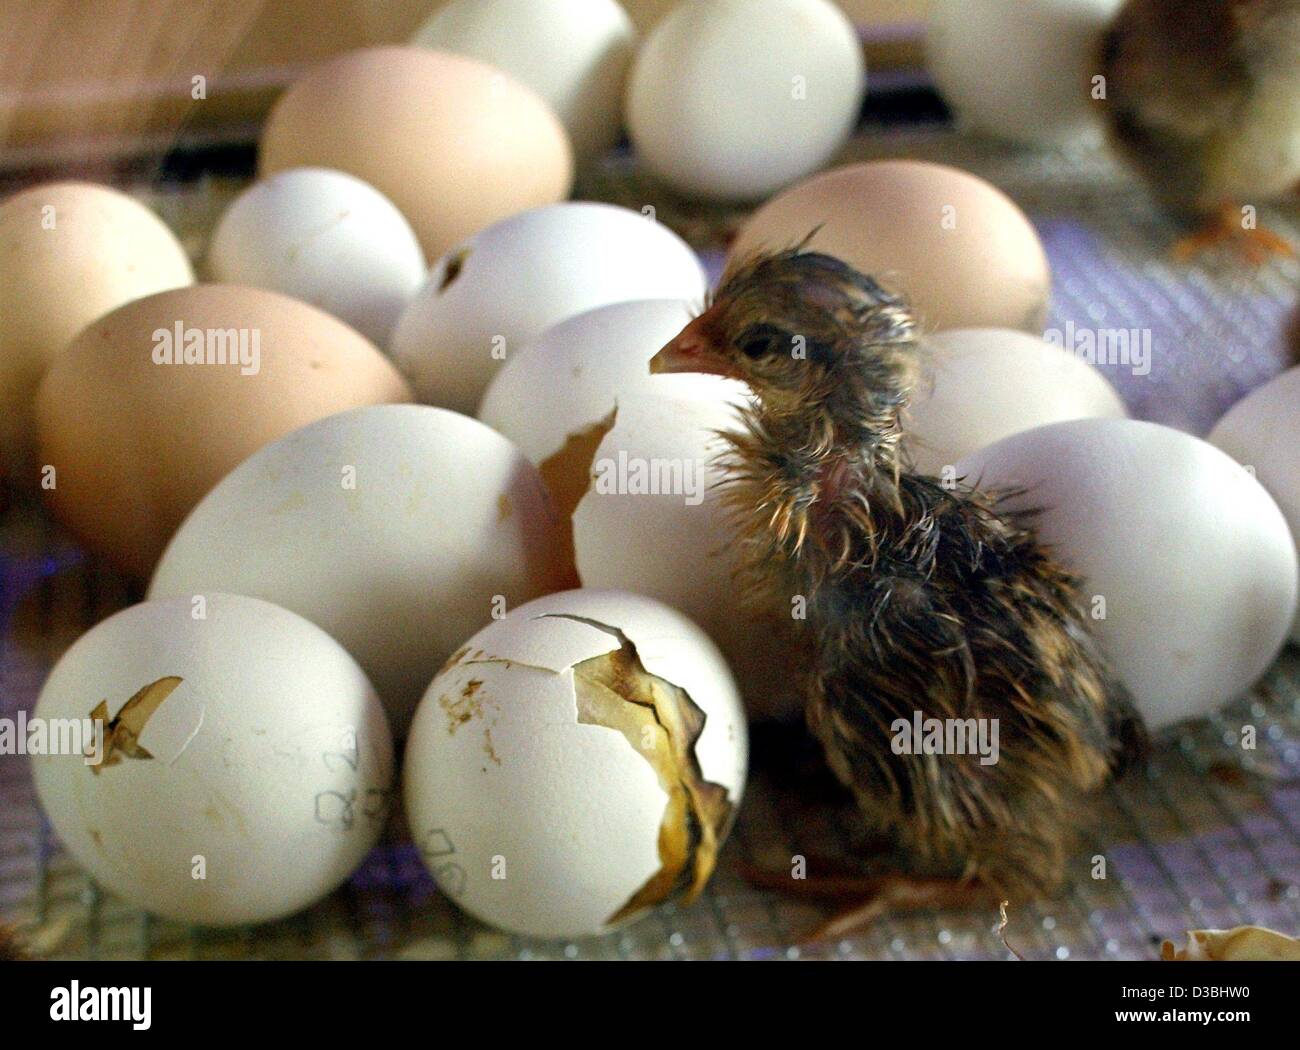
(82, 77)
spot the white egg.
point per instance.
(1262, 432)
(576, 763)
(572, 375)
(399, 529)
(985, 384)
(1022, 71)
(249, 778)
(574, 53)
(506, 285)
(1189, 569)
(324, 237)
(733, 99)
(652, 520)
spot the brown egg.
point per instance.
(131, 438)
(69, 253)
(453, 142)
(958, 247)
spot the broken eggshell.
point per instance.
(247, 764)
(576, 763)
(649, 516)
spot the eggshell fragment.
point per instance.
(70, 252)
(326, 238)
(453, 142)
(542, 793)
(985, 384)
(135, 441)
(732, 100)
(1262, 432)
(257, 772)
(501, 289)
(961, 250)
(574, 53)
(1189, 570)
(398, 529)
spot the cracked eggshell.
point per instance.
(271, 765)
(501, 776)
(988, 383)
(488, 298)
(1262, 432)
(324, 237)
(393, 528)
(573, 374)
(679, 546)
(1191, 555)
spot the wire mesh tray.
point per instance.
(1207, 837)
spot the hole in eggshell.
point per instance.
(662, 724)
(122, 731)
(455, 264)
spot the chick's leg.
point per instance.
(1227, 229)
(864, 899)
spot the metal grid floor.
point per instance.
(1207, 837)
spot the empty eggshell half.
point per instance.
(70, 252)
(455, 143)
(501, 289)
(959, 248)
(575, 764)
(1262, 432)
(154, 404)
(1189, 570)
(399, 529)
(650, 518)
(246, 762)
(984, 384)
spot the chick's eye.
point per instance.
(758, 340)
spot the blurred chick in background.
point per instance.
(1203, 99)
(920, 596)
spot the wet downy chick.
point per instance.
(920, 596)
(1203, 100)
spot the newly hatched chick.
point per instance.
(920, 596)
(1203, 99)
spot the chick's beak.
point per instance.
(691, 350)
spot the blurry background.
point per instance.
(87, 78)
